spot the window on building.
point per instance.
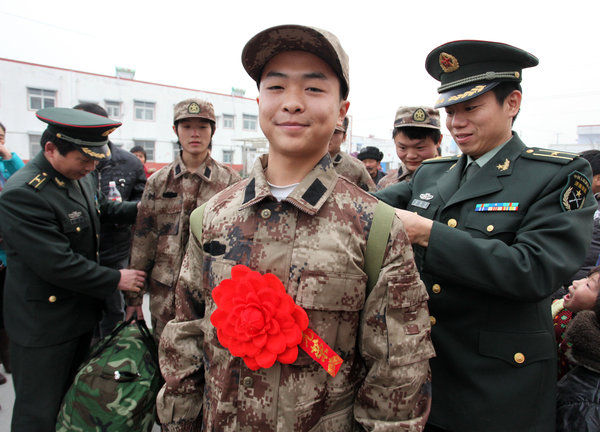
(113, 109)
(228, 122)
(34, 144)
(40, 98)
(228, 156)
(249, 122)
(144, 110)
(148, 147)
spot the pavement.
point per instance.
(7, 393)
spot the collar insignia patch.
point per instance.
(503, 166)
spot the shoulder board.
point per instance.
(548, 155)
(441, 159)
(38, 181)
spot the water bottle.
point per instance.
(113, 192)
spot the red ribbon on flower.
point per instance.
(259, 322)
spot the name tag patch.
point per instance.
(501, 206)
(420, 203)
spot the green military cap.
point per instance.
(275, 40)
(469, 68)
(419, 116)
(86, 131)
(194, 108)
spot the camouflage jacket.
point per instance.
(162, 226)
(353, 170)
(314, 242)
(395, 176)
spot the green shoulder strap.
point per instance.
(196, 221)
(377, 242)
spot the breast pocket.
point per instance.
(168, 246)
(76, 227)
(498, 225)
(333, 303)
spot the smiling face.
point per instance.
(412, 152)
(583, 293)
(482, 124)
(299, 105)
(194, 135)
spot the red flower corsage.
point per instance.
(256, 319)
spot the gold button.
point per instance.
(52, 299)
(432, 320)
(436, 288)
(248, 381)
(78, 229)
(490, 228)
(265, 213)
(452, 223)
(519, 358)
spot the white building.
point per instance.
(145, 109)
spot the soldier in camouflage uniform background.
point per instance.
(417, 137)
(171, 194)
(346, 165)
(310, 232)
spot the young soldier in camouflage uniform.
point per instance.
(346, 165)
(171, 194)
(417, 137)
(297, 219)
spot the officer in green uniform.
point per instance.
(492, 243)
(50, 217)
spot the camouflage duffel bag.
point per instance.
(116, 388)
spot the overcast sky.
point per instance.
(198, 44)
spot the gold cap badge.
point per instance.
(448, 62)
(419, 115)
(194, 108)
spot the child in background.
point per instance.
(578, 402)
(581, 295)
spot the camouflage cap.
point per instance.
(86, 131)
(469, 68)
(194, 108)
(424, 117)
(343, 127)
(272, 41)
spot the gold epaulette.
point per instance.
(441, 159)
(548, 155)
(39, 181)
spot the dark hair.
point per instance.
(416, 132)
(593, 157)
(2, 127)
(502, 90)
(92, 108)
(593, 270)
(139, 149)
(63, 147)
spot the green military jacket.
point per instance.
(54, 287)
(499, 247)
